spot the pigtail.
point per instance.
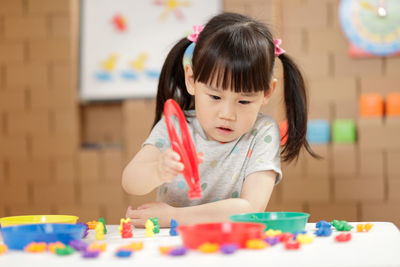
(296, 110)
(172, 80)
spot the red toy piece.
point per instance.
(292, 244)
(125, 229)
(284, 237)
(185, 149)
(344, 237)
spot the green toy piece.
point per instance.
(156, 229)
(341, 225)
(104, 224)
(344, 132)
(64, 251)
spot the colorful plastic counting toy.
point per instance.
(125, 228)
(102, 220)
(149, 232)
(229, 248)
(3, 249)
(173, 225)
(209, 247)
(179, 251)
(122, 253)
(341, 225)
(64, 251)
(101, 247)
(99, 231)
(156, 229)
(272, 241)
(292, 245)
(135, 246)
(90, 254)
(256, 244)
(34, 247)
(272, 233)
(165, 249)
(304, 239)
(51, 247)
(78, 245)
(92, 225)
(284, 237)
(344, 237)
(323, 228)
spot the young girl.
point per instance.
(220, 76)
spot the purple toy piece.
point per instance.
(90, 254)
(229, 248)
(78, 245)
(85, 233)
(180, 251)
(272, 241)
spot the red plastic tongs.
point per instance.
(184, 148)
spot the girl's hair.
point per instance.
(237, 53)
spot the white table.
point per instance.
(379, 247)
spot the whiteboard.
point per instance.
(124, 43)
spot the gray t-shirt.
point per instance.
(225, 165)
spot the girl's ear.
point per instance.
(272, 87)
(189, 80)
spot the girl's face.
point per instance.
(223, 114)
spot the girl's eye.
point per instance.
(215, 97)
(244, 102)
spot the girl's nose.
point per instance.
(227, 112)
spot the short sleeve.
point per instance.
(159, 136)
(264, 154)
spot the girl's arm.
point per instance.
(149, 169)
(256, 191)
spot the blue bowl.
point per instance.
(18, 236)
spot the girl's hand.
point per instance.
(162, 211)
(169, 165)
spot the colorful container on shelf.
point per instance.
(36, 219)
(237, 233)
(393, 104)
(284, 221)
(318, 132)
(371, 105)
(18, 236)
(344, 131)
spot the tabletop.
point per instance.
(378, 247)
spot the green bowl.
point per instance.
(284, 221)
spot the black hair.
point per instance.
(237, 52)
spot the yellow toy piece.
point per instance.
(3, 249)
(92, 225)
(304, 239)
(149, 228)
(360, 227)
(109, 63)
(97, 247)
(99, 231)
(272, 233)
(209, 247)
(34, 247)
(135, 246)
(368, 226)
(165, 249)
(51, 247)
(256, 244)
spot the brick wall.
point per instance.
(44, 168)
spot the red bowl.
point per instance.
(221, 233)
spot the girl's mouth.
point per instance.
(224, 130)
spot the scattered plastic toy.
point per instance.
(361, 227)
(209, 247)
(51, 247)
(272, 241)
(104, 224)
(344, 237)
(165, 249)
(179, 251)
(341, 225)
(284, 237)
(295, 234)
(322, 224)
(135, 246)
(121, 253)
(323, 231)
(229, 248)
(99, 231)
(78, 245)
(305, 239)
(90, 253)
(125, 228)
(64, 251)
(156, 229)
(92, 225)
(173, 225)
(86, 232)
(3, 249)
(101, 247)
(292, 245)
(272, 233)
(35, 247)
(256, 244)
(149, 228)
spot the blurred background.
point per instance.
(59, 155)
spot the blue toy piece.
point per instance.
(318, 132)
(173, 226)
(322, 224)
(123, 253)
(323, 231)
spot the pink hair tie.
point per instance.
(196, 31)
(278, 50)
